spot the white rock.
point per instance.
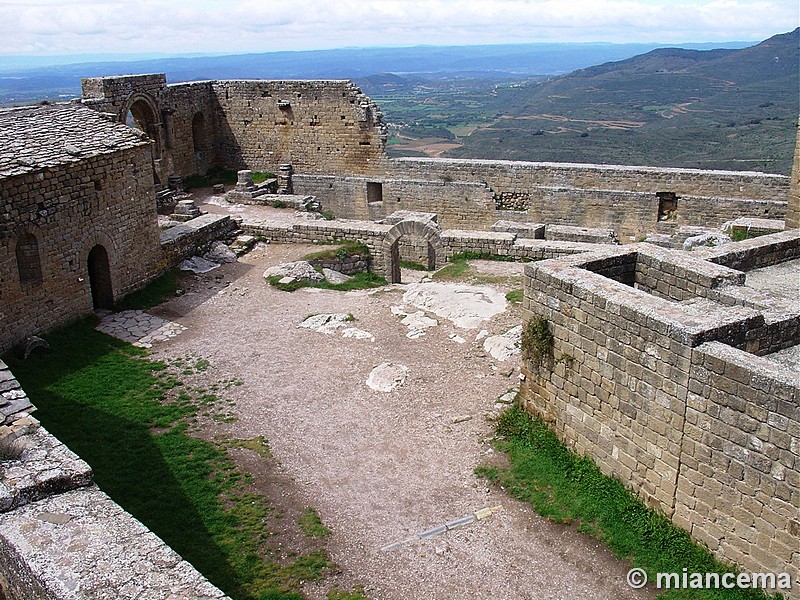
(300, 270)
(387, 376)
(326, 323)
(335, 276)
(359, 334)
(467, 306)
(502, 347)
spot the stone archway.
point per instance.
(141, 112)
(100, 278)
(425, 230)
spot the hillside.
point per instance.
(717, 109)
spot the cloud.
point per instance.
(260, 25)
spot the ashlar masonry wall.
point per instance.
(56, 210)
(649, 376)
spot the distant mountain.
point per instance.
(722, 108)
(26, 84)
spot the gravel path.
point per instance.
(381, 467)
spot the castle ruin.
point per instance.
(668, 384)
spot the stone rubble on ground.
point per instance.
(220, 253)
(197, 264)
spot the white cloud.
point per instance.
(68, 26)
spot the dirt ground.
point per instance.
(380, 467)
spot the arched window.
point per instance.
(29, 265)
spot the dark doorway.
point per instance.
(100, 278)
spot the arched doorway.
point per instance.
(142, 115)
(425, 232)
(100, 278)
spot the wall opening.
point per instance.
(29, 265)
(100, 278)
(374, 192)
(412, 241)
(142, 116)
(667, 206)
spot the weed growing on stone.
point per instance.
(537, 341)
(567, 488)
(356, 594)
(131, 419)
(10, 449)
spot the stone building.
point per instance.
(78, 227)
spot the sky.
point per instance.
(57, 27)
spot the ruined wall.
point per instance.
(458, 204)
(610, 196)
(648, 375)
(317, 126)
(107, 200)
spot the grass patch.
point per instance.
(359, 281)
(341, 251)
(311, 524)
(413, 265)
(217, 175)
(356, 594)
(458, 269)
(157, 291)
(571, 489)
(139, 416)
(515, 296)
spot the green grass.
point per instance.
(571, 489)
(341, 251)
(413, 265)
(157, 291)
(515, 296)
(356, 594)
(217, 175)
(130, 418)
(458, 267)
(359, 281)
(312, 525)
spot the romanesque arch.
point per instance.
(141, 111)
(99, 268)
(98, 256)
(425, 230)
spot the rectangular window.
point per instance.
(374, 192)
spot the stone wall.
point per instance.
(317, 126)
(619, 197)
(55, 214)
(189, 238)
(649, 376)
(460, 205)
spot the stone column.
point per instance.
(244, 181)
(793, 210)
